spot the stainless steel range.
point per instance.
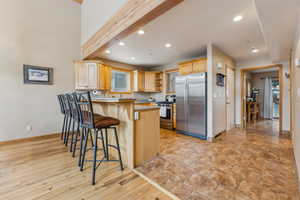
(166, 114)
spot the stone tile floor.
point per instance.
(239, 165)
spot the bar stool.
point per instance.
(89, 122)
(62, 110)
(75, 119)
(69, 118)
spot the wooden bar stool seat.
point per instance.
(105, 122)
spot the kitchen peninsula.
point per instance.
(138, 144)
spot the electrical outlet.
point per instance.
(29, 128)
(136, 115)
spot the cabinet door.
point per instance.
(104, 76)
(93, 81)
(186, 68)
(150, 81)
(199, 66)
(81, 76)
(138, 81)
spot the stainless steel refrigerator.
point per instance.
(191, 105)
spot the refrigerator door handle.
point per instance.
(186, 103)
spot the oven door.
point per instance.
(165, 112)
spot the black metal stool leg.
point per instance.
(92, 143)
(103, 144)
(63, 128)
(66, 129)
(72, 136)
(68, 132)
(86, 138)
(106, 144)
(76, 140)
(95, 157)
(82, 136)
(118, 148)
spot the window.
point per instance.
(171, 77)
(120, 81)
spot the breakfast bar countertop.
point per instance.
(143, 108)
(113, 100)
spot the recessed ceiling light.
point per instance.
(107, 51)
(254, 50)
(121, 43)
(132, 58)
(168, 45)
(141, 32)
(238, 18)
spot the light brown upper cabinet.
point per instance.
(199, 66)
(90, 76)
(186, 68)
(152, 81)
(138, 81)
(194, 66)
(147, 81)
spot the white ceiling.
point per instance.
(278, 21)
(189, 27)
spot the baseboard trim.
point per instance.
(29, 139)
(238, 126)
(169, 194)
(285, 132)
(213, 139)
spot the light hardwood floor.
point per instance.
(44, 169)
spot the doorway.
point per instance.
(261, 98)
(230, 98)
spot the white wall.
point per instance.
(296, 98)
(286, 92)
(95, 13)
(43, 33)
(216, 96)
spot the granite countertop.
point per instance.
(113, 100)
(142, 108)
(143, 102)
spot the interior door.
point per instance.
(181, 115)
(230, 99)
(197, 105)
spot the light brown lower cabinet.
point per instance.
(146, 135)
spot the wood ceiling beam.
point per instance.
(132, 16)
(78, 1)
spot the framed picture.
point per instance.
(37, 75)
(220, 80)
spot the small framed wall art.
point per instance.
(37, 75)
